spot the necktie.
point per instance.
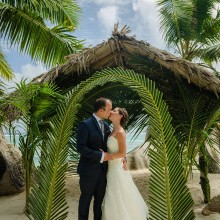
(102, 127)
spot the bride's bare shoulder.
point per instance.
(121, 133)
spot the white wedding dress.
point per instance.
(122, 199)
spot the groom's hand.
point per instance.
(107, 156)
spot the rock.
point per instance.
(213, 206)
(137, 159)
(11, 169)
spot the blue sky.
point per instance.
(96, 24)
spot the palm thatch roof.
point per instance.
(118, 50)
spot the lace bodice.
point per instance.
(112, 145)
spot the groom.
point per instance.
(92, 137)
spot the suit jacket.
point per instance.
(89, 141)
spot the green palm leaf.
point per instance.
(56, 11)
(47, 199)
(27, 29)
(168, 190)
(210, 33)
(171, 193)
(210, 53)
(202, 10)
(190, 28)
(175, 19)
(35, 102)
(194, 124)
(5, 69)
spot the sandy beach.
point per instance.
(11, 207)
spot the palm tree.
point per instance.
(36, 104)
(190, 28)
(40, 29)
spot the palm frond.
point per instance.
(210, 131)
(65, 12)
(27, 30)
(210, 53)
(175, 19)
(47, 200)
(164, 199)
(57, 12)
(5, 69)
(210, 31)
(202, 11)
(193, 122)
(163, 196)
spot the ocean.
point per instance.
(131, 142)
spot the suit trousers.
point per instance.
(91, 186)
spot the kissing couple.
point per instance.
(102, 167)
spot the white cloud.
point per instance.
(111, 2)
(217, 66)
(147, 20)
(4, 46)
(108, 16)
(28, 71)
(104, 2)
(140, 15)
(214, 12)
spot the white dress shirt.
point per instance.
(98, 119)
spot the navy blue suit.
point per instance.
(92, 172)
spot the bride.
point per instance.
(122, 199)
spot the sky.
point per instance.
(95, 26)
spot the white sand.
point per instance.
(11, 207)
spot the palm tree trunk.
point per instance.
(204, 181)
(27, 186)
(27, 176)
(218, 135)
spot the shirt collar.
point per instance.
(96, 117)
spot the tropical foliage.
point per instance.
(191, 27)
(40, 29)
(196, 132)
(47, 199)
(5, 69)
(35, 103)
(195, 116)
(196, 126)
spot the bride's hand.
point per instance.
(107, 156)
(124, 163)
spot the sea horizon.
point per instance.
(132, 142)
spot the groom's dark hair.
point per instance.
(100, 103)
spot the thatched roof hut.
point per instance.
(118, 50)
(169, 73)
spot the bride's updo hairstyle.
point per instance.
(124, 119)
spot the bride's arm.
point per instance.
(121, 137)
